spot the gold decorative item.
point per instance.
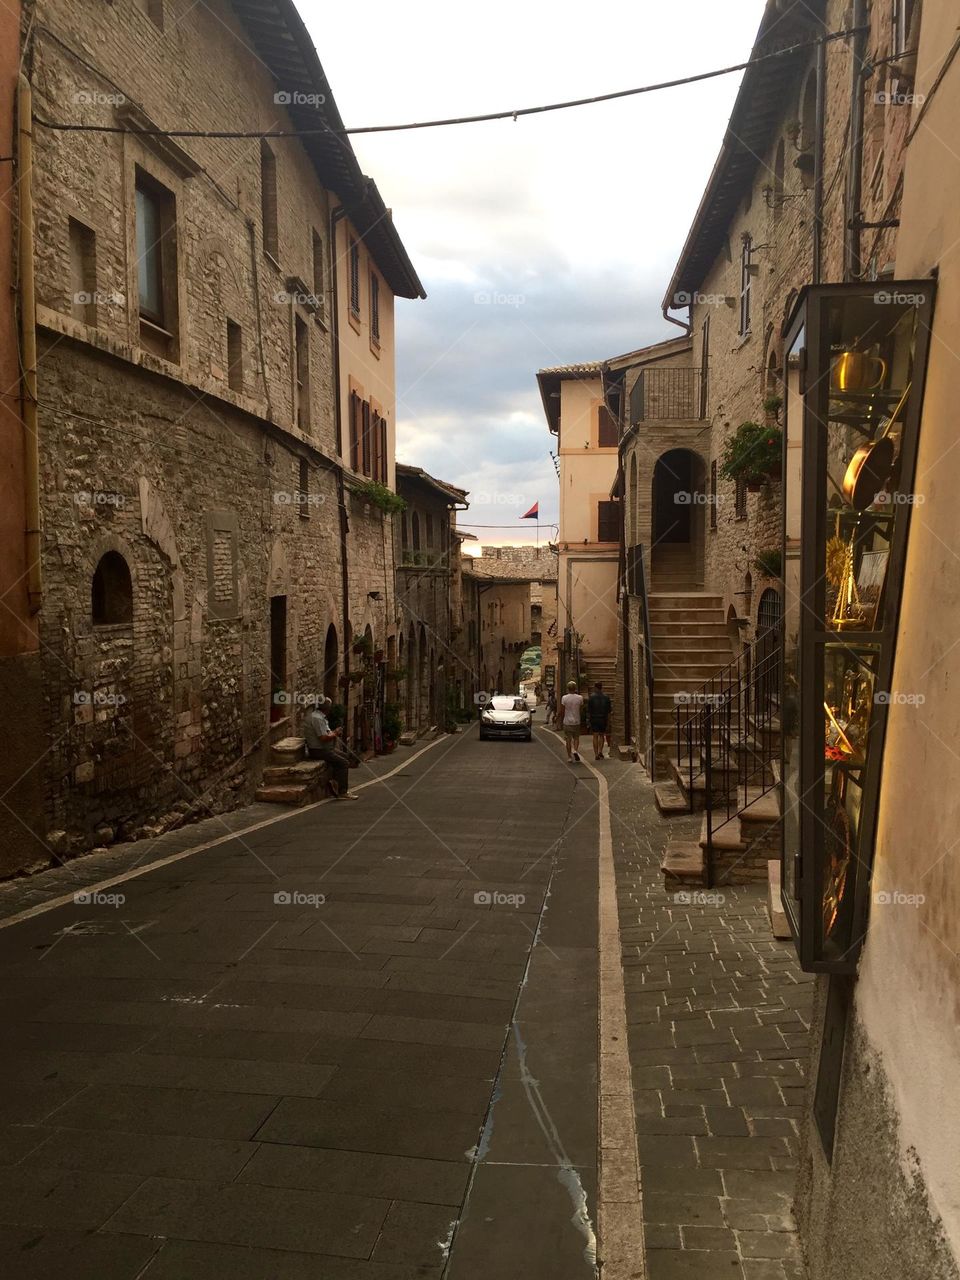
(848, 612)
(857, 371)
(870, 467)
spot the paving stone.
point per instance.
(417, 1233)
(671, 1264)
(682, 1208)
(266, 1217)
(195, 1112)
(61, 1198)
(35, 1253)
(146, 1154)
(435, 1135)
(713, 1238)
(358, 1173)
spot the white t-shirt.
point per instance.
(571, 703)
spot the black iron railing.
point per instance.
(666, 395)
(636, 575)
(728, 738)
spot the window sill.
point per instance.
(271, 259)
(375, 347)
(354, 318)
(742, 340)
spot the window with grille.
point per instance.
(608, 521)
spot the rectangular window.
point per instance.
(156, 235)
(740, 500)
(234, 357)
(355, 279)
(608, 521)
(83, 271)
(302, 368)
(303, 489)
(154, 10)
(901, 26)
(319, 271)
(384, 469)
(746, 284)
(379, 462)
(374, 308)
(268, 200)
(713, 494)
(607, 434)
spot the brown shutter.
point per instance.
(366, 437)
(608, 435)
(384, 469)
(354, 431)
(608, 521)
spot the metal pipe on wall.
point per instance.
(28, 343)
(852, 266)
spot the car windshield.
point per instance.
(507, 704)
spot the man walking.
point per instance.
(599, 707)
(571, 709)
(322, 743)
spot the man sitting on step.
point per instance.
(322, 744)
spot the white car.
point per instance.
(506, 717)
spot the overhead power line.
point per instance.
(456, 120)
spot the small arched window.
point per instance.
(111, 594)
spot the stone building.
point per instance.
(427, 550)
(21, 799)
(515, 590)
(589, 533)
(199, 504)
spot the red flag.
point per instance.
(533, 513)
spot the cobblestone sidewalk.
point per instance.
(718, 1015)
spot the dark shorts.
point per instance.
(598, 726)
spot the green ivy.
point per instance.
(379, 495)
(770, 562)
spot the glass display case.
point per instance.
(854, 373)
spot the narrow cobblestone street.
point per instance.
(364, 1038)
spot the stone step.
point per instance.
(291, 795)
(761, 805)
(663, 632)
(670, 799)
(684, 613)
(684, 600)
(703, 648)
(682, 863)
(287, 751)
(729, 836)
(778, 917)
(304, 773)
(700, 672)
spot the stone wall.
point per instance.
(168, 713)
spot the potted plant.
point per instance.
(392, 725)
(375, 494)
(769, 562)
(363, 646)
(772, 406)
(753, 454)
(335, 715)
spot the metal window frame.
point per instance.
(808, 313)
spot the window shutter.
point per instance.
(608, 435)
(354, 431)
(608, 521)
(365, 409)
(382, 431)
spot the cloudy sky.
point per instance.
(539, 242)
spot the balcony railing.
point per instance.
(666, 395)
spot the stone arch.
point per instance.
(677, 525)
(331, 664)
(111, 591)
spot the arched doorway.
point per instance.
(423, 676)
(412, 686)
(677, 520)
(331, 664)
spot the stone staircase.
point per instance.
(674, 567)
(690, 644)
(603, 668)
(289, 778)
